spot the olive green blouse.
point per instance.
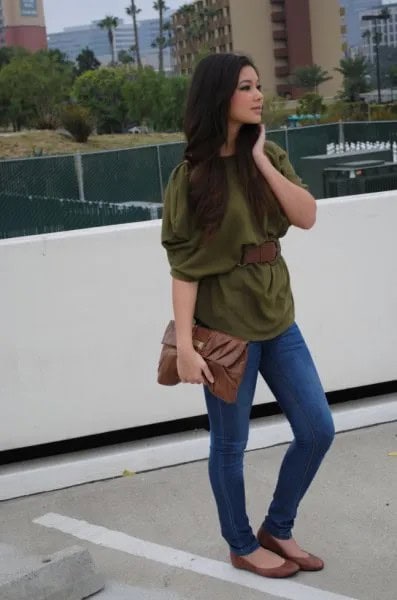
(253, 302)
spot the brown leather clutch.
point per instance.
(225, 355)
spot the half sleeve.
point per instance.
(177, 233)
(282, 163)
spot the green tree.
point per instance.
(195, 25)
(110, 23)
(132, 11)
(156, 100)
(18, 82)
(366, 35)
(311, 104)
(173, 94)
(355, 73)
(57, 74)
(126, 57)
(186, 11)
(142, 94)
(161, 40)
(8, 53)
(32, 88)
(87, 61)
(310, 77)
(198, 23)
(101, 91)
(376, 38)
(56, 56)
(167, 28)
(166, 41)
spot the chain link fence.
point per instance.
(60, 193)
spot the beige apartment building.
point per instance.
(280, 35)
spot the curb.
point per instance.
(66, 575)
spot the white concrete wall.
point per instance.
(82, 313)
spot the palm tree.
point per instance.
(355, 73)
(87, 61)
(199, 23)
(126, 57)
(311, 76)
(366, 35)
(132, 11)
(161, 41)
(385, 13)
(110, 24)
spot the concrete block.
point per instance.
(66, 575)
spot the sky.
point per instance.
(68, 13)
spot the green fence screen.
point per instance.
(383, 131)
(59, 193)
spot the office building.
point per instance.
(280, 35)
(352, 10)
(72, 40)
(22, 23)
(386, 29)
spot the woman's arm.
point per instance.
(184, 295)
(192, 368)
(297, 203)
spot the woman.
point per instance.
(226, 206)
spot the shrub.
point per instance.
(275, 112)
(78, 121)
(311, 104)
(383, 112)
(345, 111)
(47, 121)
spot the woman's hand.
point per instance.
(257, 149)
(192, 367)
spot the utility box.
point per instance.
(312, 167)
(359, 177)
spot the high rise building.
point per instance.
(360, 34)
(352, 10)
(387, 30)
(22, 23)
(72, 40)
(280, 35)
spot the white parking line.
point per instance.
(118, 540)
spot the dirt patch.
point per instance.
(48, 143)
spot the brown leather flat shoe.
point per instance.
(306, 563)
(287, 569)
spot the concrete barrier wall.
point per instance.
(82, 313)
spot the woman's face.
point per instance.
(247, 101)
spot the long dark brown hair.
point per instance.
(206, 128)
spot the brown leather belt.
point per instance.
(265, 253)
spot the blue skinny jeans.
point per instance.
(287, 367)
